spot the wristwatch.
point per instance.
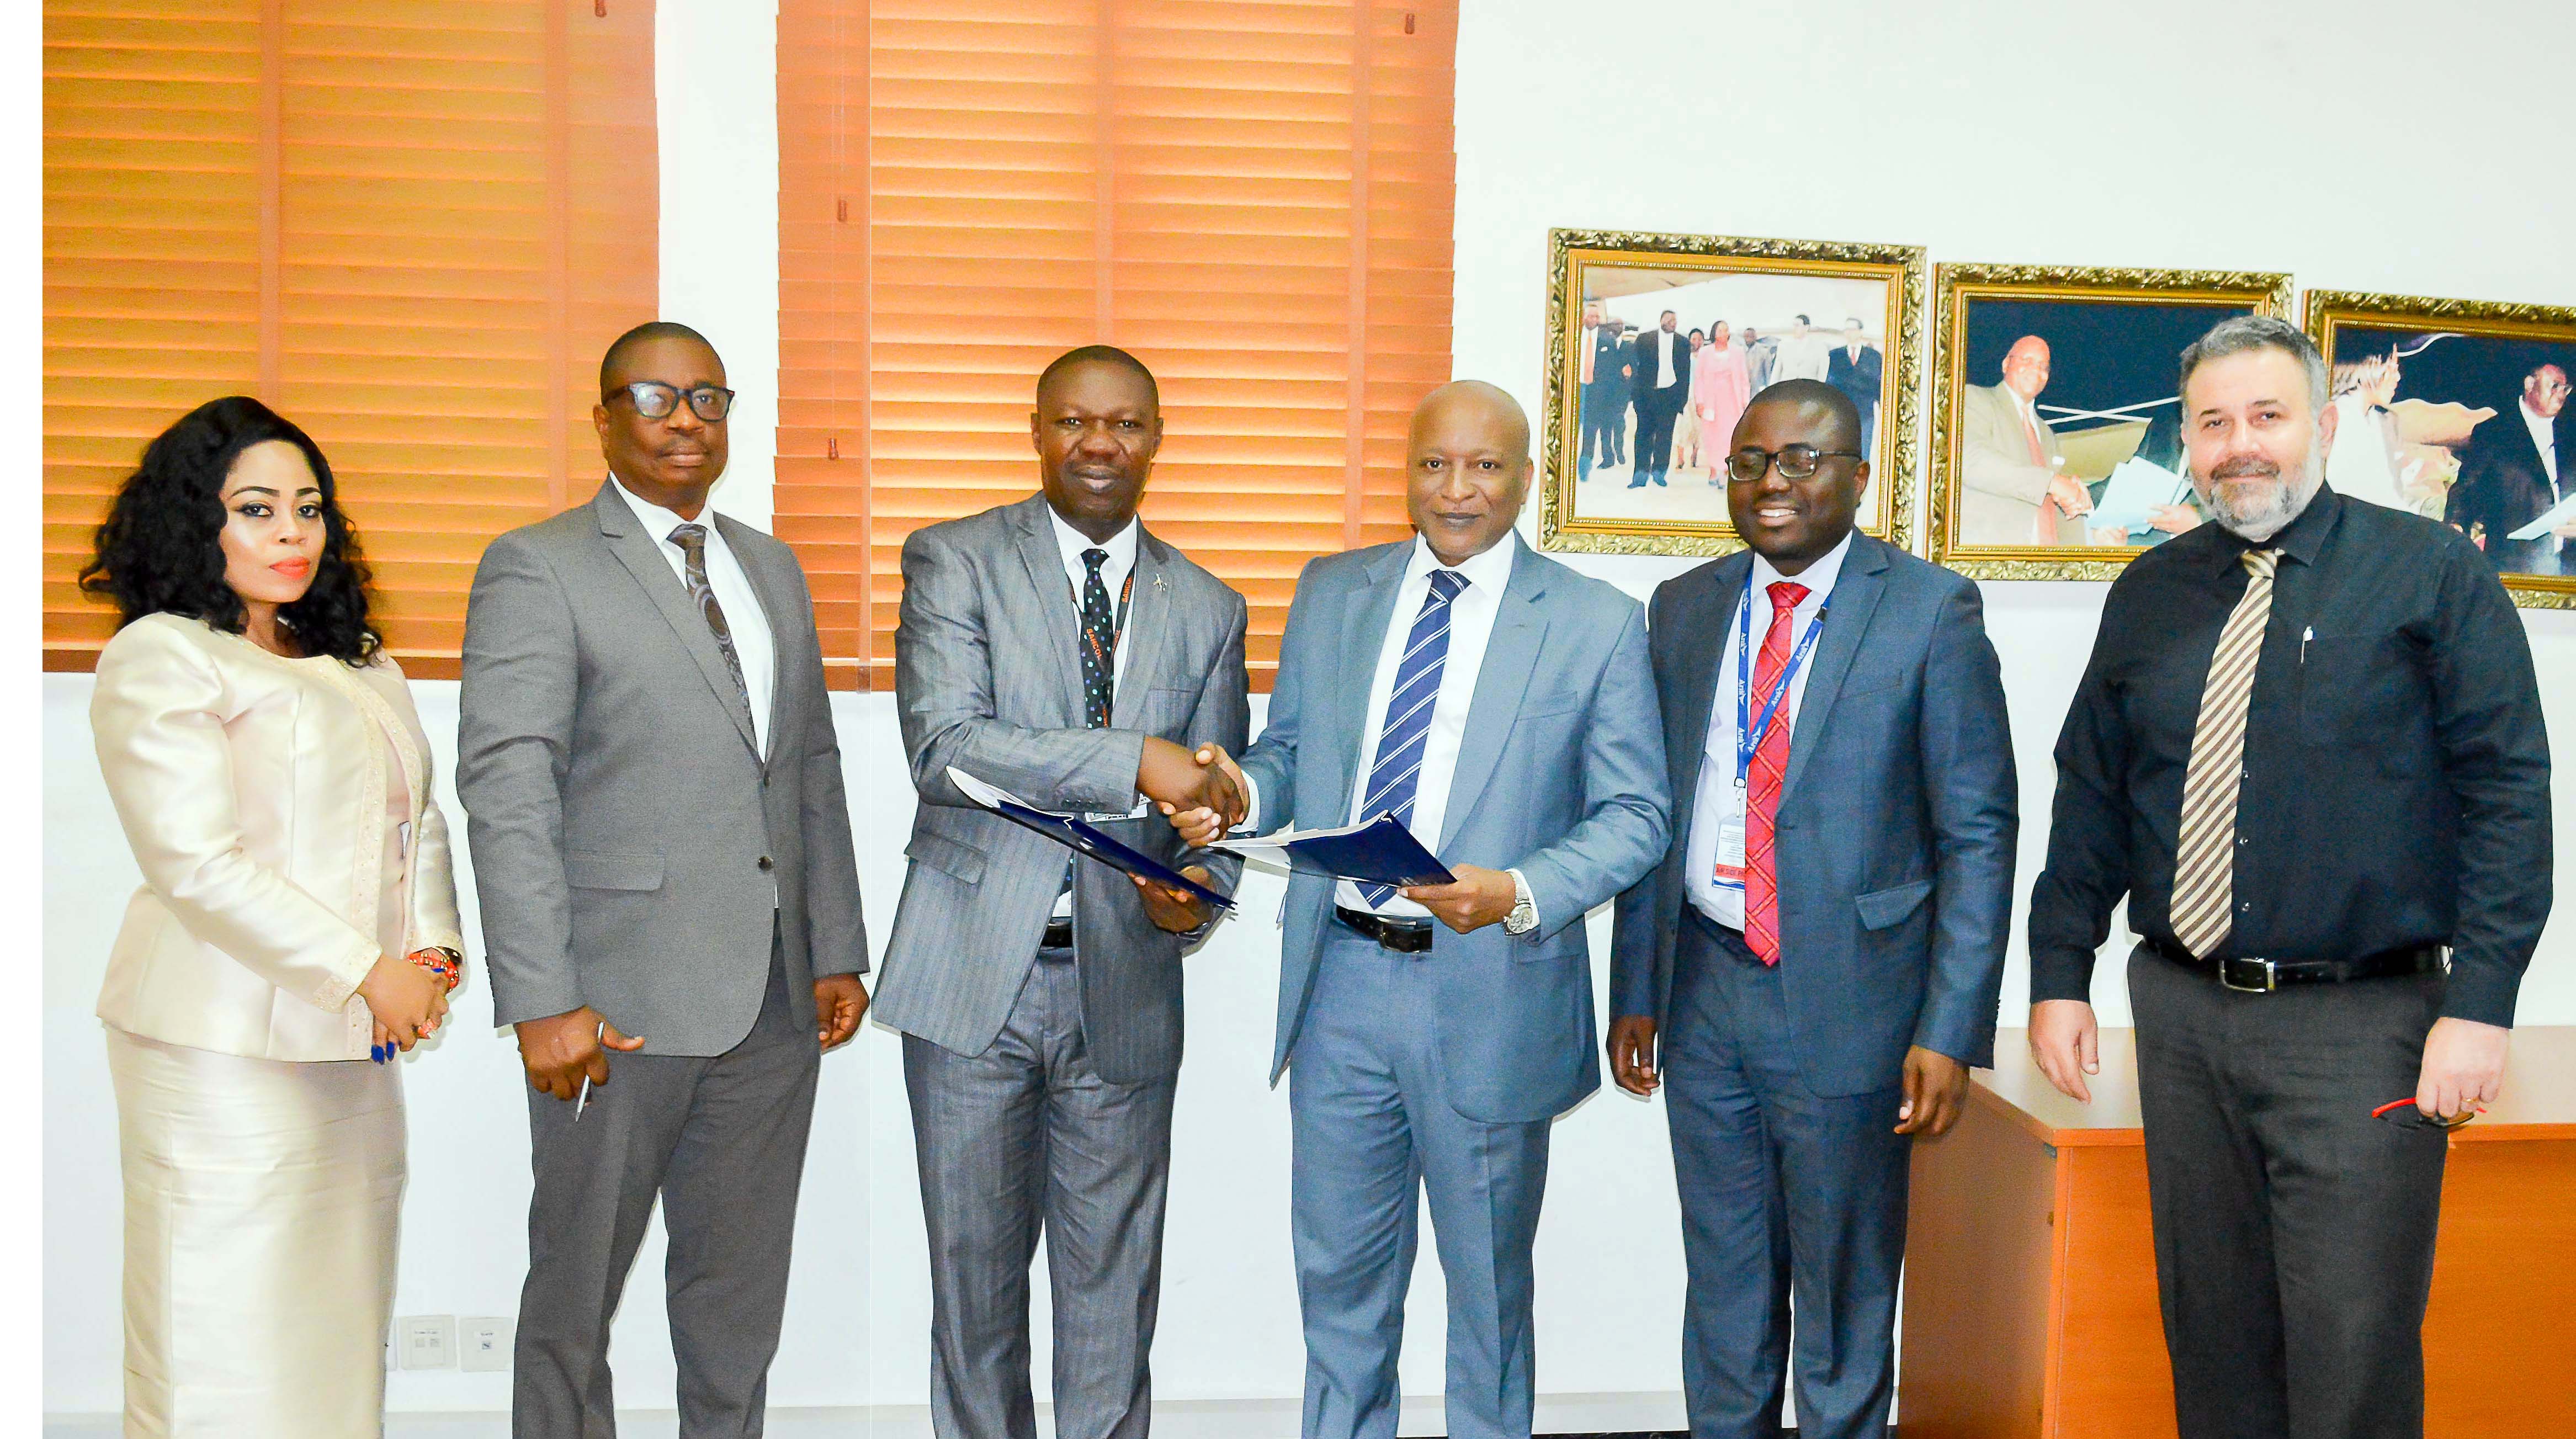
(1524, 915)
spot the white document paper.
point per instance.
(2550, 519)
(2137, 490)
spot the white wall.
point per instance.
(2121, 162)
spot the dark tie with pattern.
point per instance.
(1406, 731)
(1099, 642)
(692, 540)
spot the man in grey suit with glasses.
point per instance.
(1057, 649)
(662, 849)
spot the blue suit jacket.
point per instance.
(1896, 824)
(1561, 776)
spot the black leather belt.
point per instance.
(1400, 936)
(1059, 933)
(2253, 975)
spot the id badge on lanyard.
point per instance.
(1750, 729)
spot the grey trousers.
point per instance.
(1783, 1191)
(2294, 1233)
(722, 1141)
(1373, 1134)
(1022, 1140)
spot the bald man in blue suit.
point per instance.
(1500, 704)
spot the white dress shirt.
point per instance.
(1114, 571)
(1803, 357)
(1069, 544)
(1717, 799)
(1666, 342)
(1471, 624)
(2544, 438)
(752, 645)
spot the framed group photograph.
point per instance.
(2457, 410)
(1656, 343)
(2057, 444)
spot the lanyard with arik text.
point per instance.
(1748, 730)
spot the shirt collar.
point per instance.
(2544, 430)
(1490, 571)
(1071, 542)
(659, 522)
(1818, 578)
(2303, 539)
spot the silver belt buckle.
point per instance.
(2269, 971)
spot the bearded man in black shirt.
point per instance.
(2309, 752)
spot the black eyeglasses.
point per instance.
(656, 401)
(1797, 462)
(2404, 1114)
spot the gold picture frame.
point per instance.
(1686, 514)
(2437, 382)
(2123, 329)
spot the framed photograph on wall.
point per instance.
(2057, 448)
(2457, 410)
(1656, 343)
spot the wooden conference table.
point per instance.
(2030, 1273)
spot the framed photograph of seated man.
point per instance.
(2457, 410)
(1656, 343)
(2057, 447)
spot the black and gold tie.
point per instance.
(1099, 642)
(692, 540)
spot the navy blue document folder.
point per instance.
(1380, 851)
(1081, 836)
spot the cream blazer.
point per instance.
(252, 789)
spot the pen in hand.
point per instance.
(582, 1100)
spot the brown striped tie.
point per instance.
(2204, 887)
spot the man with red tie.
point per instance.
(1815, 964)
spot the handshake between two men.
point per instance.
(1205, 795)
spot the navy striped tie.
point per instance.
(1401, 739)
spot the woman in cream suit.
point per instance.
(296, 930)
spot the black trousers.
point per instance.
(1602, 413)
(1656, 411)
(2294, 1233)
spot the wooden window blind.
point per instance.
(410, 226)
(1254, 198)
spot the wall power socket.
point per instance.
(428, 1341)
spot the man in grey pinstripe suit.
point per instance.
(1054, 648)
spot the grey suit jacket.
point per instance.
(987, 679)
(2000, 486)
(1561, 776)
(1896, 824)
(630, 845)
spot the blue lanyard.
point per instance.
(1749, 731)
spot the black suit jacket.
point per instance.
(1668, 397)
(2503, 486)
(1611, 357)
(1857, 378)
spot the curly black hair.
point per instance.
(159, 551)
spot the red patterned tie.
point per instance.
(1770, 767)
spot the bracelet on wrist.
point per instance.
(441, 961)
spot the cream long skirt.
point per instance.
(261, 1205)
